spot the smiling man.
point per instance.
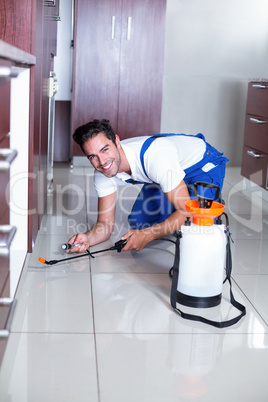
(167, 165)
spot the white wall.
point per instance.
(212, 50)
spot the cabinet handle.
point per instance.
(7, 234)
(4, 302)
(8, 72)
(257, 121)
(7, 156)
(129, 22)
(259, 86)
(113, 27)
(251, 153)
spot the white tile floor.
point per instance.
(103, 330)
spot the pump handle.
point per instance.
(206, 202)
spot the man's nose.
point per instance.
(102, 160)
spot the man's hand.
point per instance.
(83, 243)
(137, 240)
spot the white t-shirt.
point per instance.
(165, 161)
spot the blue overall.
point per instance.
(152, 207)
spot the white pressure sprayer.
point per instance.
(202, 254)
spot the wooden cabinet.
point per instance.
(31, 27)
(118, 65)
(28, 28)
(255, 151)
(6, 231)
(5, 154)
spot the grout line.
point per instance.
(94, 334)
(92, 301)
(180, 333)
(51, 333)
(251, 303)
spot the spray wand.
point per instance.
(117, 246)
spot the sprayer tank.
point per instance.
(202, 261)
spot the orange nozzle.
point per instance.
(42, 260)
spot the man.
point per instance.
(168, 164)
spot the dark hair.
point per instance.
(89, 130)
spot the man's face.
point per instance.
(103, 154)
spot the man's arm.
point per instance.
(102, 229)
(138, 239)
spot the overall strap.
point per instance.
(149, 141)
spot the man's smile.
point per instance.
(107, 166)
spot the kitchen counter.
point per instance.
(16, 55)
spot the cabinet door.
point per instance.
(256, 132)
(141, 67)
(254, 166)
(118, 66)
(96, 62)
(257, 101)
